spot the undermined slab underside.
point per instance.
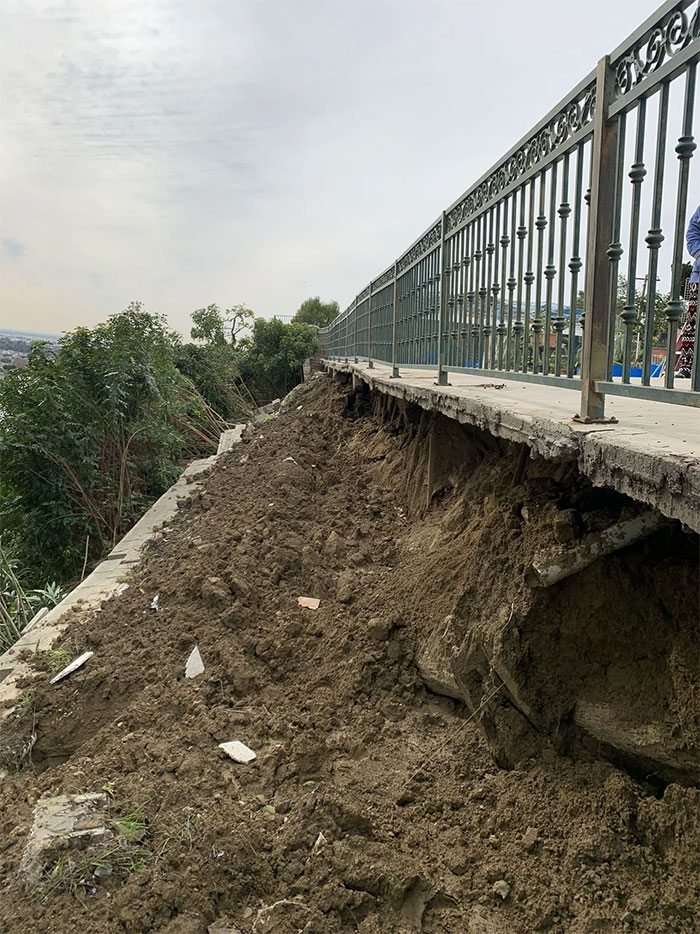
(632, 460)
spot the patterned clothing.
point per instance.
(685, 346)
(686, 339)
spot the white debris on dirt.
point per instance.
(194, 665)
(238, 751)
(73, 666)
(118, 591)
(311, 603)
(154, 603)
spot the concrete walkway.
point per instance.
(652, 454)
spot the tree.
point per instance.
(272, 358)
(314, 311)
(211, 325)
(90, 435)
(208, 325)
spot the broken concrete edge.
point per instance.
(44, 632)
(659, 479)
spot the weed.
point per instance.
(55, 659)
(25, 701)
(109, 789)
(132, 827)
(182, 834)
(76, 873)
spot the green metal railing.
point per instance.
(532, 272)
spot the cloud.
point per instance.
(257, 151)
(12, 248)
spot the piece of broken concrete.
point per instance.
(501, 888)
(73, 666)
(238, 751)
(154, 603)
(61, 823)
(312, 603)
(223, 927)
(194, 665)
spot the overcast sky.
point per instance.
(257, 151)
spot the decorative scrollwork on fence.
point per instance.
(363, 294)
(665, 40)
(423, 246)
(541, 147)
(384, 279)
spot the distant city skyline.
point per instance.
(256, 151)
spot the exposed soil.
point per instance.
(374, 805)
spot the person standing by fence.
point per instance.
(685, 347)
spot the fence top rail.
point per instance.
(647, 57)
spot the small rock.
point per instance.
(238, 751)
(335, 546)
(194, 665)
(215, 591)
(458, 860)
(154, 603)
(320, 842)
(530, 838)
(378, 629)
(501, 888)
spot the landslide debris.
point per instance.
(373, 804)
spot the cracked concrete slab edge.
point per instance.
(656, 478)
(97, 586)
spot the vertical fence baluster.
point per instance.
(511, 282)
(529, 275)
(559, 322)
(637, 174)
(684, 150)
(655, 236)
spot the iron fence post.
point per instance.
(394, 327)
(442, 316)
(354, 340)
(600, 236)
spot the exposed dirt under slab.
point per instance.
(374, 804)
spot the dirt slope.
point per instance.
(373, 805)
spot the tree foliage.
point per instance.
(314, 311)
(272, 358)
(89, 436)
(214, 326)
